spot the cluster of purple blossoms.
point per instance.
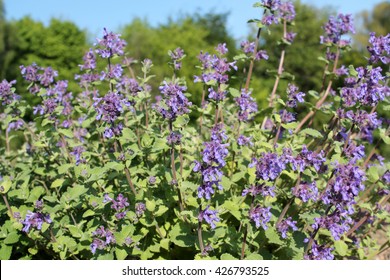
(319, 252)
(77, 153)
(214, 67)
(286, 11)
(102, 238)
(15, 125)
(366, 89)
(176, 55)
(210, 216)
(286, 116)
(294, 96)
(119, 205)
(260, 215)
(305, 159)
(284, 225)
(342, 191)
(140, 209)
(262, 189)
(213, 160)
(306, 191)
(108, 109)
(249, 48)
(111, 44)
(38, 75)
(379, 49)
(247, 106)
(337, 223)
(89, 59)
(272, 7)
(335, 28)
(128, 86)
(174, 103)
(7, 94)
(174, 138)
(268, 166)
(244, 141)
(35, 219)
(353, 152)
(114, 71)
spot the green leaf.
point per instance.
(12, 238)
(57, 183)
(121, 254)
(238, 176)
(5, 185)
(254, 256)
(146, 141)
(234, 92)
(181, 121)
(161, 210)
(273, 236)
(164, 243)
(227, 256)
(75, 231)
(352, 71)
(67, 132)
(88, 213)
(64, 168)
(5, 252)
(341, 247)
(150, 205)
(311, 132)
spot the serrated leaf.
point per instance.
(273, 236)
(75, 231)
(227, 256)
(121, 254)
(311, 132)
(161, 210)
(12, 238)
(57, 183)
(88, 213)
(341, 247)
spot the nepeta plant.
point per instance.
(108, 172)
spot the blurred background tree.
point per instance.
(62, 44)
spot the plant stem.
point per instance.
(246, 232)
(7, 204)
(248, 77)
(200, 237)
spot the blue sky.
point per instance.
(93, 15)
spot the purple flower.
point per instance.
(337, 223)
(244, 141)
(110, 107)
(347, 184)
(114, 72)
(174, 138)
(110, 45)
(262, 189)
(177, 55)
(89, 61)
(47, 77)
(218, 95)
(379, 49)
(152, 180)
(35, 220)
(7, 95)
(268, 166)
(103, 237)
(30, 73)
(306, 191)
(222, 49)
(261, 54)
(335, 28)
(319, 252)
(386, 177)
(286, 11)
(77, 153)
(354, 152)
(39, 205)
(307, 158)
(128, 86)
(294, 96)
(16, 125)
(284, 225)
(119, 205)
(210, 216)
(248, 47)
(290, 36)
(261, 216)
(174, 102)
(286, 116)
(247, 106)
(140, 208)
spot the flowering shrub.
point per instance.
(110, 173)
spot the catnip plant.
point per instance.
(122, 170)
